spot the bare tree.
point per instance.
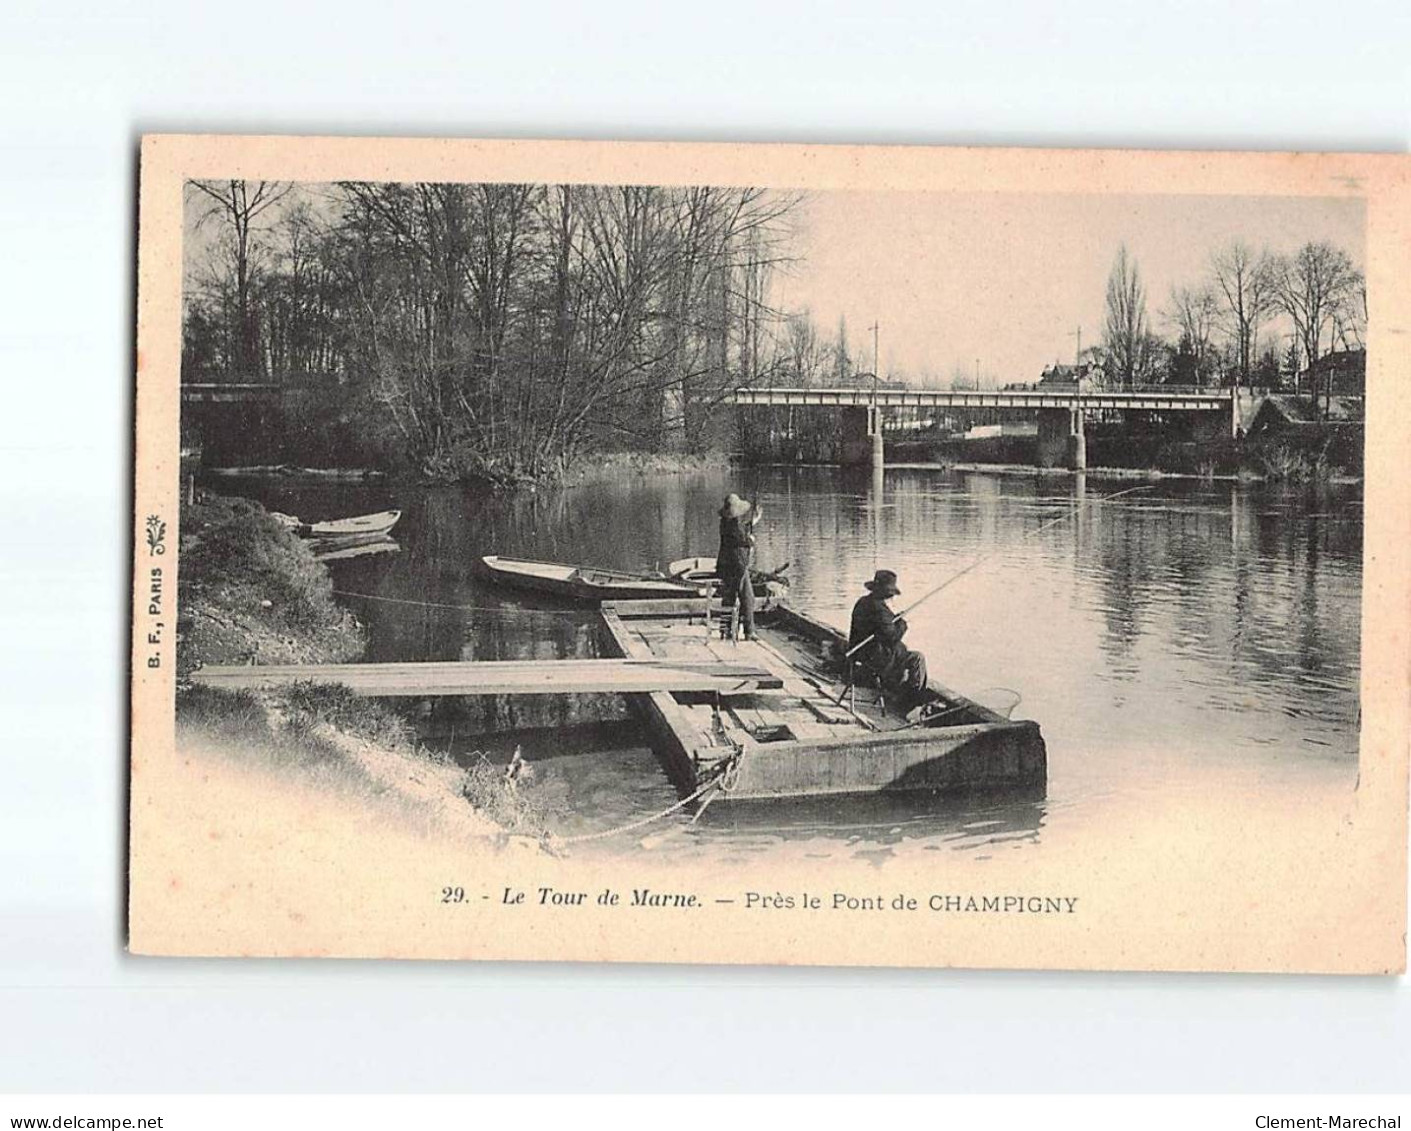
(1192, 313)
(842, 357)
(1315, 287)
(1244, 281)
(806, 354)
(240, 204)
(1350, 317)
(495, 330)
(1127, 343)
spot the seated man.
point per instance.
(895, 666)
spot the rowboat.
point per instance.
(702, 571)
(341, 533)
(583, 583)
(815, 735)
(363, 526)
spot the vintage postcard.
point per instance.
(771, 554)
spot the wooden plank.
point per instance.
(629, 610)
(669, 725)
(501, 677)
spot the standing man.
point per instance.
(732, 563)
(895, 666)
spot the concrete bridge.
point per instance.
(1060, 411)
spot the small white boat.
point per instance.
(363, 526)
(701, 571)
(691, 567)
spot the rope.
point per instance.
(504, 610)
(717, 782)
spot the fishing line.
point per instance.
(953, 578)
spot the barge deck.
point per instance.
(808, 737)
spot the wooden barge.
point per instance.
(762, 719)
(811, 736)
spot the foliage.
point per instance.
(514, 807)
(250, 555)
(496, 330)
(234, 714)
(307, 704)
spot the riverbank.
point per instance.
(251, 592)
(586, 469)
(1314, 453)
(605, 465)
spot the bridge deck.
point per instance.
(1147, 400)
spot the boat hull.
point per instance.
(568, 583)
(939, 760)
(363, 527)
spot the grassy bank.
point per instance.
(251, 592)
(465, 466)
(600, 465)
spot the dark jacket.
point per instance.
(872, 617)
(736, 541)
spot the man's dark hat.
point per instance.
(884, 584)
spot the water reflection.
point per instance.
(1162, 639)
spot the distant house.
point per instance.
(1085, 376)
(1344, 370)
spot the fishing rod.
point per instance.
(986, 557)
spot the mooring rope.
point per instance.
(716, 782)
(504, 610)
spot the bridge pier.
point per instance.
(1061, 442)
(862, 437)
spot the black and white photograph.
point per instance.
(880, 557)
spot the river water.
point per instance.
(1184, 638)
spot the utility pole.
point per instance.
(876, 359)
(877, 457)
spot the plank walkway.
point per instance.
(503, 677)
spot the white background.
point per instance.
(80, 82)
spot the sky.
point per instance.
(1008, 278)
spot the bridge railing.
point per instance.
(1053, 394)
(1102, 390)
